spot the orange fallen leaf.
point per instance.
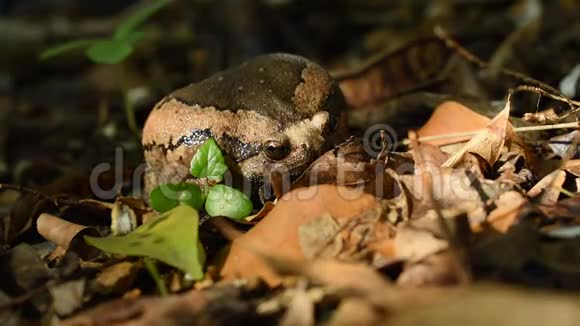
(278, 233)
(452, 117)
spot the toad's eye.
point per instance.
(276, 150)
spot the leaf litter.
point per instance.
(436, 229)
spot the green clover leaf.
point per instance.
(168, 196)
(227, 201)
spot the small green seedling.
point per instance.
(118, 46)
(220, 200)
(173, 236)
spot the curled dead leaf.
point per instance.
(67, 235)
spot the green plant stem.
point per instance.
(151, 266)
(130, 114)
(566, 192)
(128, 105)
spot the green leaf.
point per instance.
(208, 162)
(67, 47)
(171, 238)
(227, 201)
(168, 196)
(129, 25)
(109, 51)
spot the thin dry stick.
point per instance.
(454, 45)
(473, 133)
(55, 201)
(31, 191)
(562, 98)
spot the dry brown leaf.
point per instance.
(452, 117)
(488, 143)
(415, 244)
(572, 167)
(382, 77)
(560, 145)
(430, 154)
(277, 233)
(513, 170)
(348, 164)
(67, 235)
(436, 270)
(118, 277)
(509, 206)
(342, 239)
(454, 190)
(548, 188)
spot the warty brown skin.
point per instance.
(271, 99)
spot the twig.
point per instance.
(27, 190)
(55, 201)
(473, 133)
(537, 85)
(469, 56)
(545, 93)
